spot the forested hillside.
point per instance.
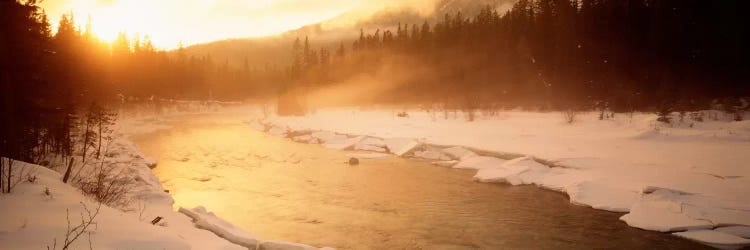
(559, 54)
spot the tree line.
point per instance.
(622, 55)
(54, 85)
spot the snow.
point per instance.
(33, 220)
(34, 214)
(687, 175)
(432, 155)
(480, 162)
(715, 239)
(342, 143)
(741, 231)
(367, 147)
(371, 144)
(284, 245)
(400, 146)
(207, 220)
(602, 195)
(459, 152)
(325, 136)
(507, 174)
(663, 211)
(447, 164)
(305, 139)
(372, 141)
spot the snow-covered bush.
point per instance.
(107, 186)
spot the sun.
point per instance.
(109, 18)
(169, 23)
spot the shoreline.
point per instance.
(649, 207)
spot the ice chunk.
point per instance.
(368, 147)
(741, 231)
(559, 179)
(432, 155)
(371, 144)
(535, 172)
(507, 174)
(715, 239)
(601, 195)
(283, 245)
(325, 136)
(278, 131)
(458, 152)
(401, 146)
(707, 208)
(445, 163)
(343, 144)
(207, 220)
(479, 162)
(373, 141)
(368, 155)
(661, 211)
(303, 138)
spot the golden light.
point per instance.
(171, 22)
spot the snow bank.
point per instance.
(284, 245)
(34, 216)
(207, 220)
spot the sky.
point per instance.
(169, 23)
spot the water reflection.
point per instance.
(282, 190)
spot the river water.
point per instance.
(281, 190)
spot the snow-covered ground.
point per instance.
(42, 209)
(686, 176)
(689, 178)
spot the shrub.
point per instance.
(107, 187)
(570, 116)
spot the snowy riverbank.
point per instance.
(689, 178)
(42, 208)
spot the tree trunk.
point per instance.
(1, 175)
(99, 146)
(67, 171)
(85, 139)
(10, 171)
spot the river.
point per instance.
(281, 190)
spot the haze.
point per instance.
(171, 22)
